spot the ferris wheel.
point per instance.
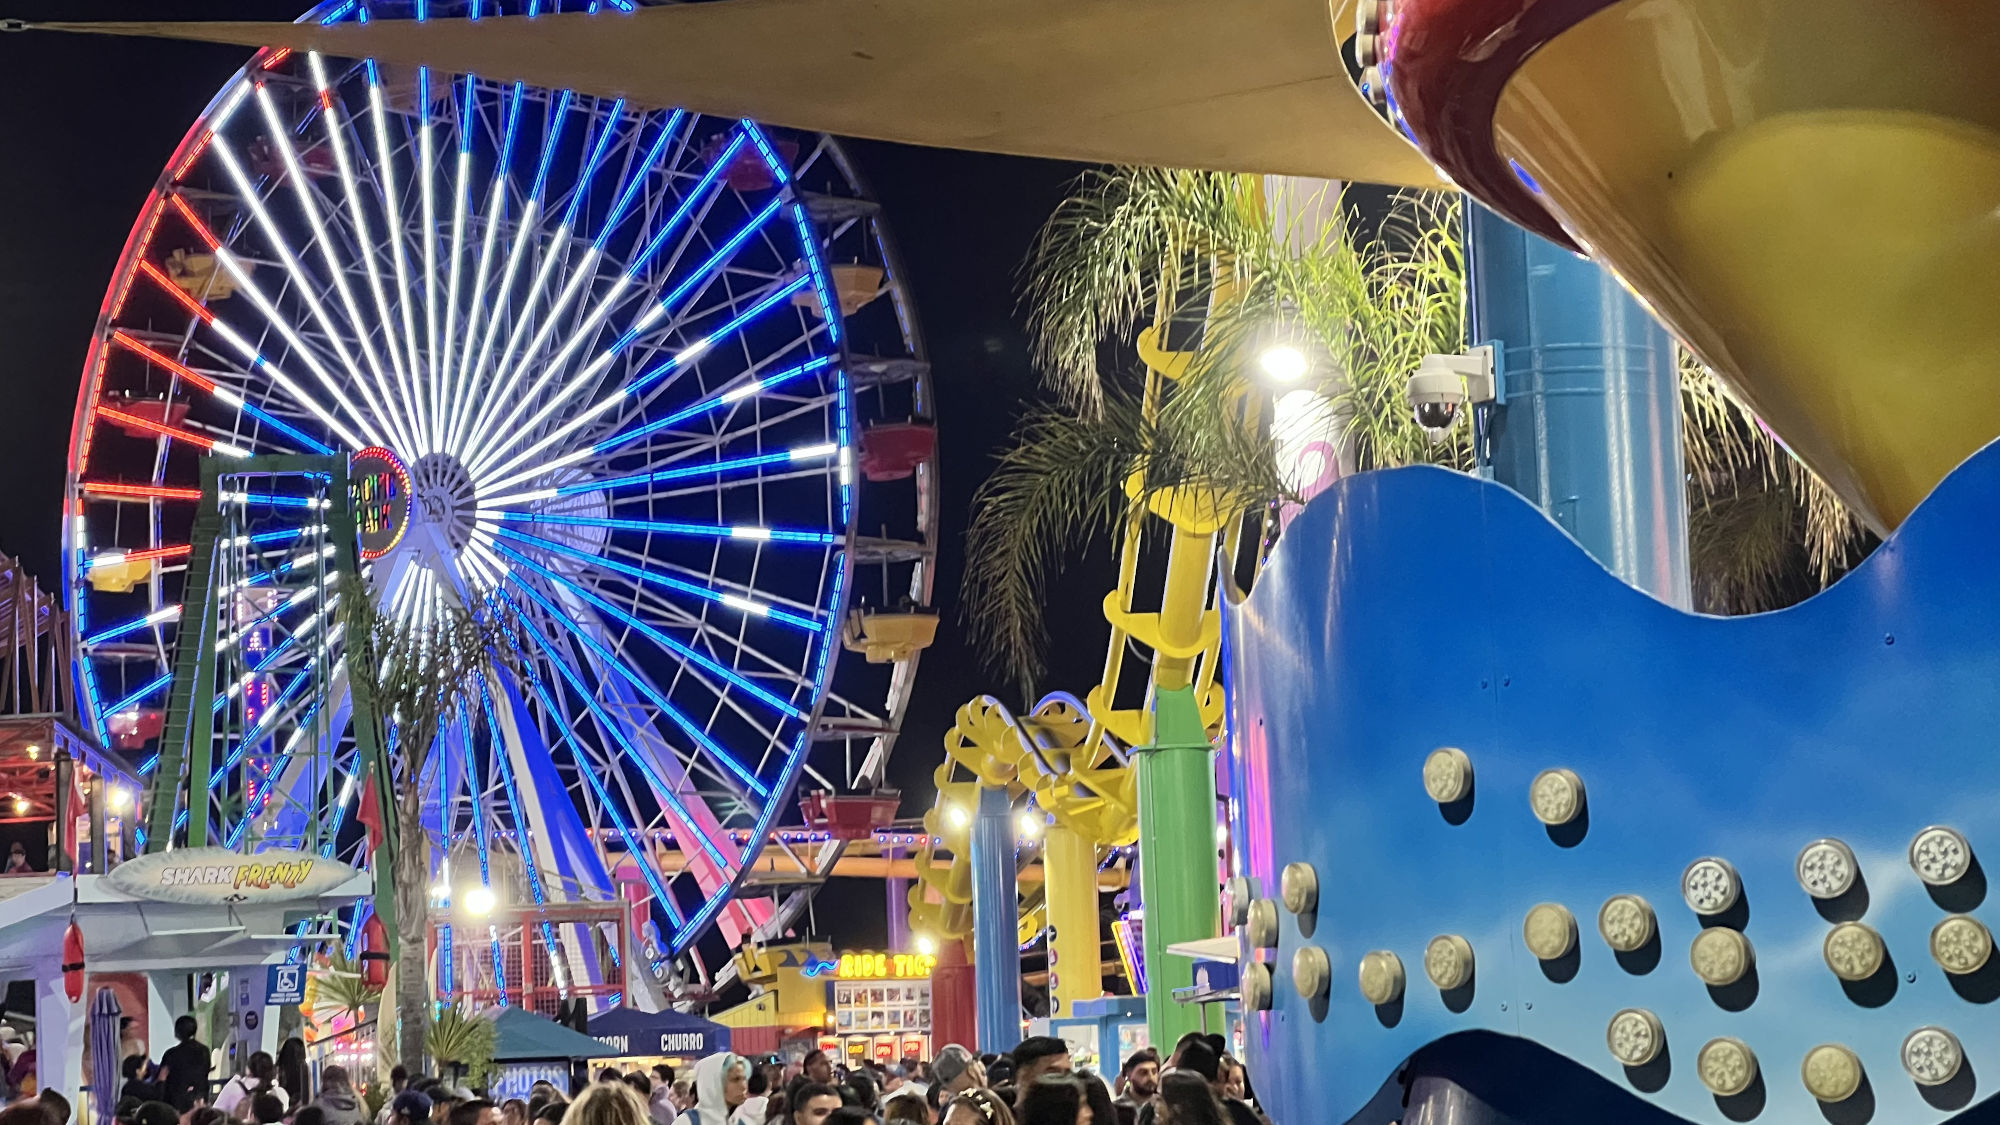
(640, 378)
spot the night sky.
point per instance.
(87, 123)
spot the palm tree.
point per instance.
(1199, 253)
(340, 988)
(414, 673)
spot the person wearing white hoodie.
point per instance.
(721, 1083)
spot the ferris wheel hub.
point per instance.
(445, 498)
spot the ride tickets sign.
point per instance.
(885, 966)
(218, 875)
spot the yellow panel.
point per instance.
(1806, 192)
(1244, 86)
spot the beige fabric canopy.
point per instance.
(1234, 85)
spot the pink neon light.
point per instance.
(175, 291)
(180, 369)
(123, 419)
(142, 491)
(200, 228)
(173, 552)
(194, 154)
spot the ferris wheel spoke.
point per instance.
(309, 205)
(301, 284)
(679, 718)
(276, 320)
(590, 773)
(753, 532)
(818, 458)
(612, 299)
(701, 660)
(718, 640)
(252, 355)
(226, 396)
(461, 188)
(525, 233)
(338, 124)
(615, 399)
(480, 300)
(745, 590)
(393, 211)
(707, 593)
(691, 286)
(554, 254)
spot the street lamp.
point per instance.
(479, 901)
(1284, 363)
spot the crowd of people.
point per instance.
(1035, 1084)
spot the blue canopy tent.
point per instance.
(630, 1032)
(530, 1048)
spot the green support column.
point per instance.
(1176, 856)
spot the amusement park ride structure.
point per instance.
(1773, 822)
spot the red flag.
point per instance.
(370, 814)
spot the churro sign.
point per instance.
(218, 875)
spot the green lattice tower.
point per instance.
(256, 572)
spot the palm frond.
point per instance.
(1069, 479)
(415, 671)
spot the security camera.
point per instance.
(1443, 384)
(1436, 394)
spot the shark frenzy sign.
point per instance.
(217, 875)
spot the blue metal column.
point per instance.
(996, 950)
(1590, 430)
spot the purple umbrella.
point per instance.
(104, 1015)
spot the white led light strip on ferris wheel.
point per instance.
(494, 422)
(281, 136)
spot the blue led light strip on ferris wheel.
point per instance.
(584, 767)
(658, 579)
(481, 833)
(514, 806)
(762, 693)
(735, 394)
(692, 530)
(646, 688)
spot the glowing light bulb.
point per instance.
(1031, 826)
(20, 806)
(479, 901)
(1283, 363)
(121, 797)
(958, 817)
(927, 945)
